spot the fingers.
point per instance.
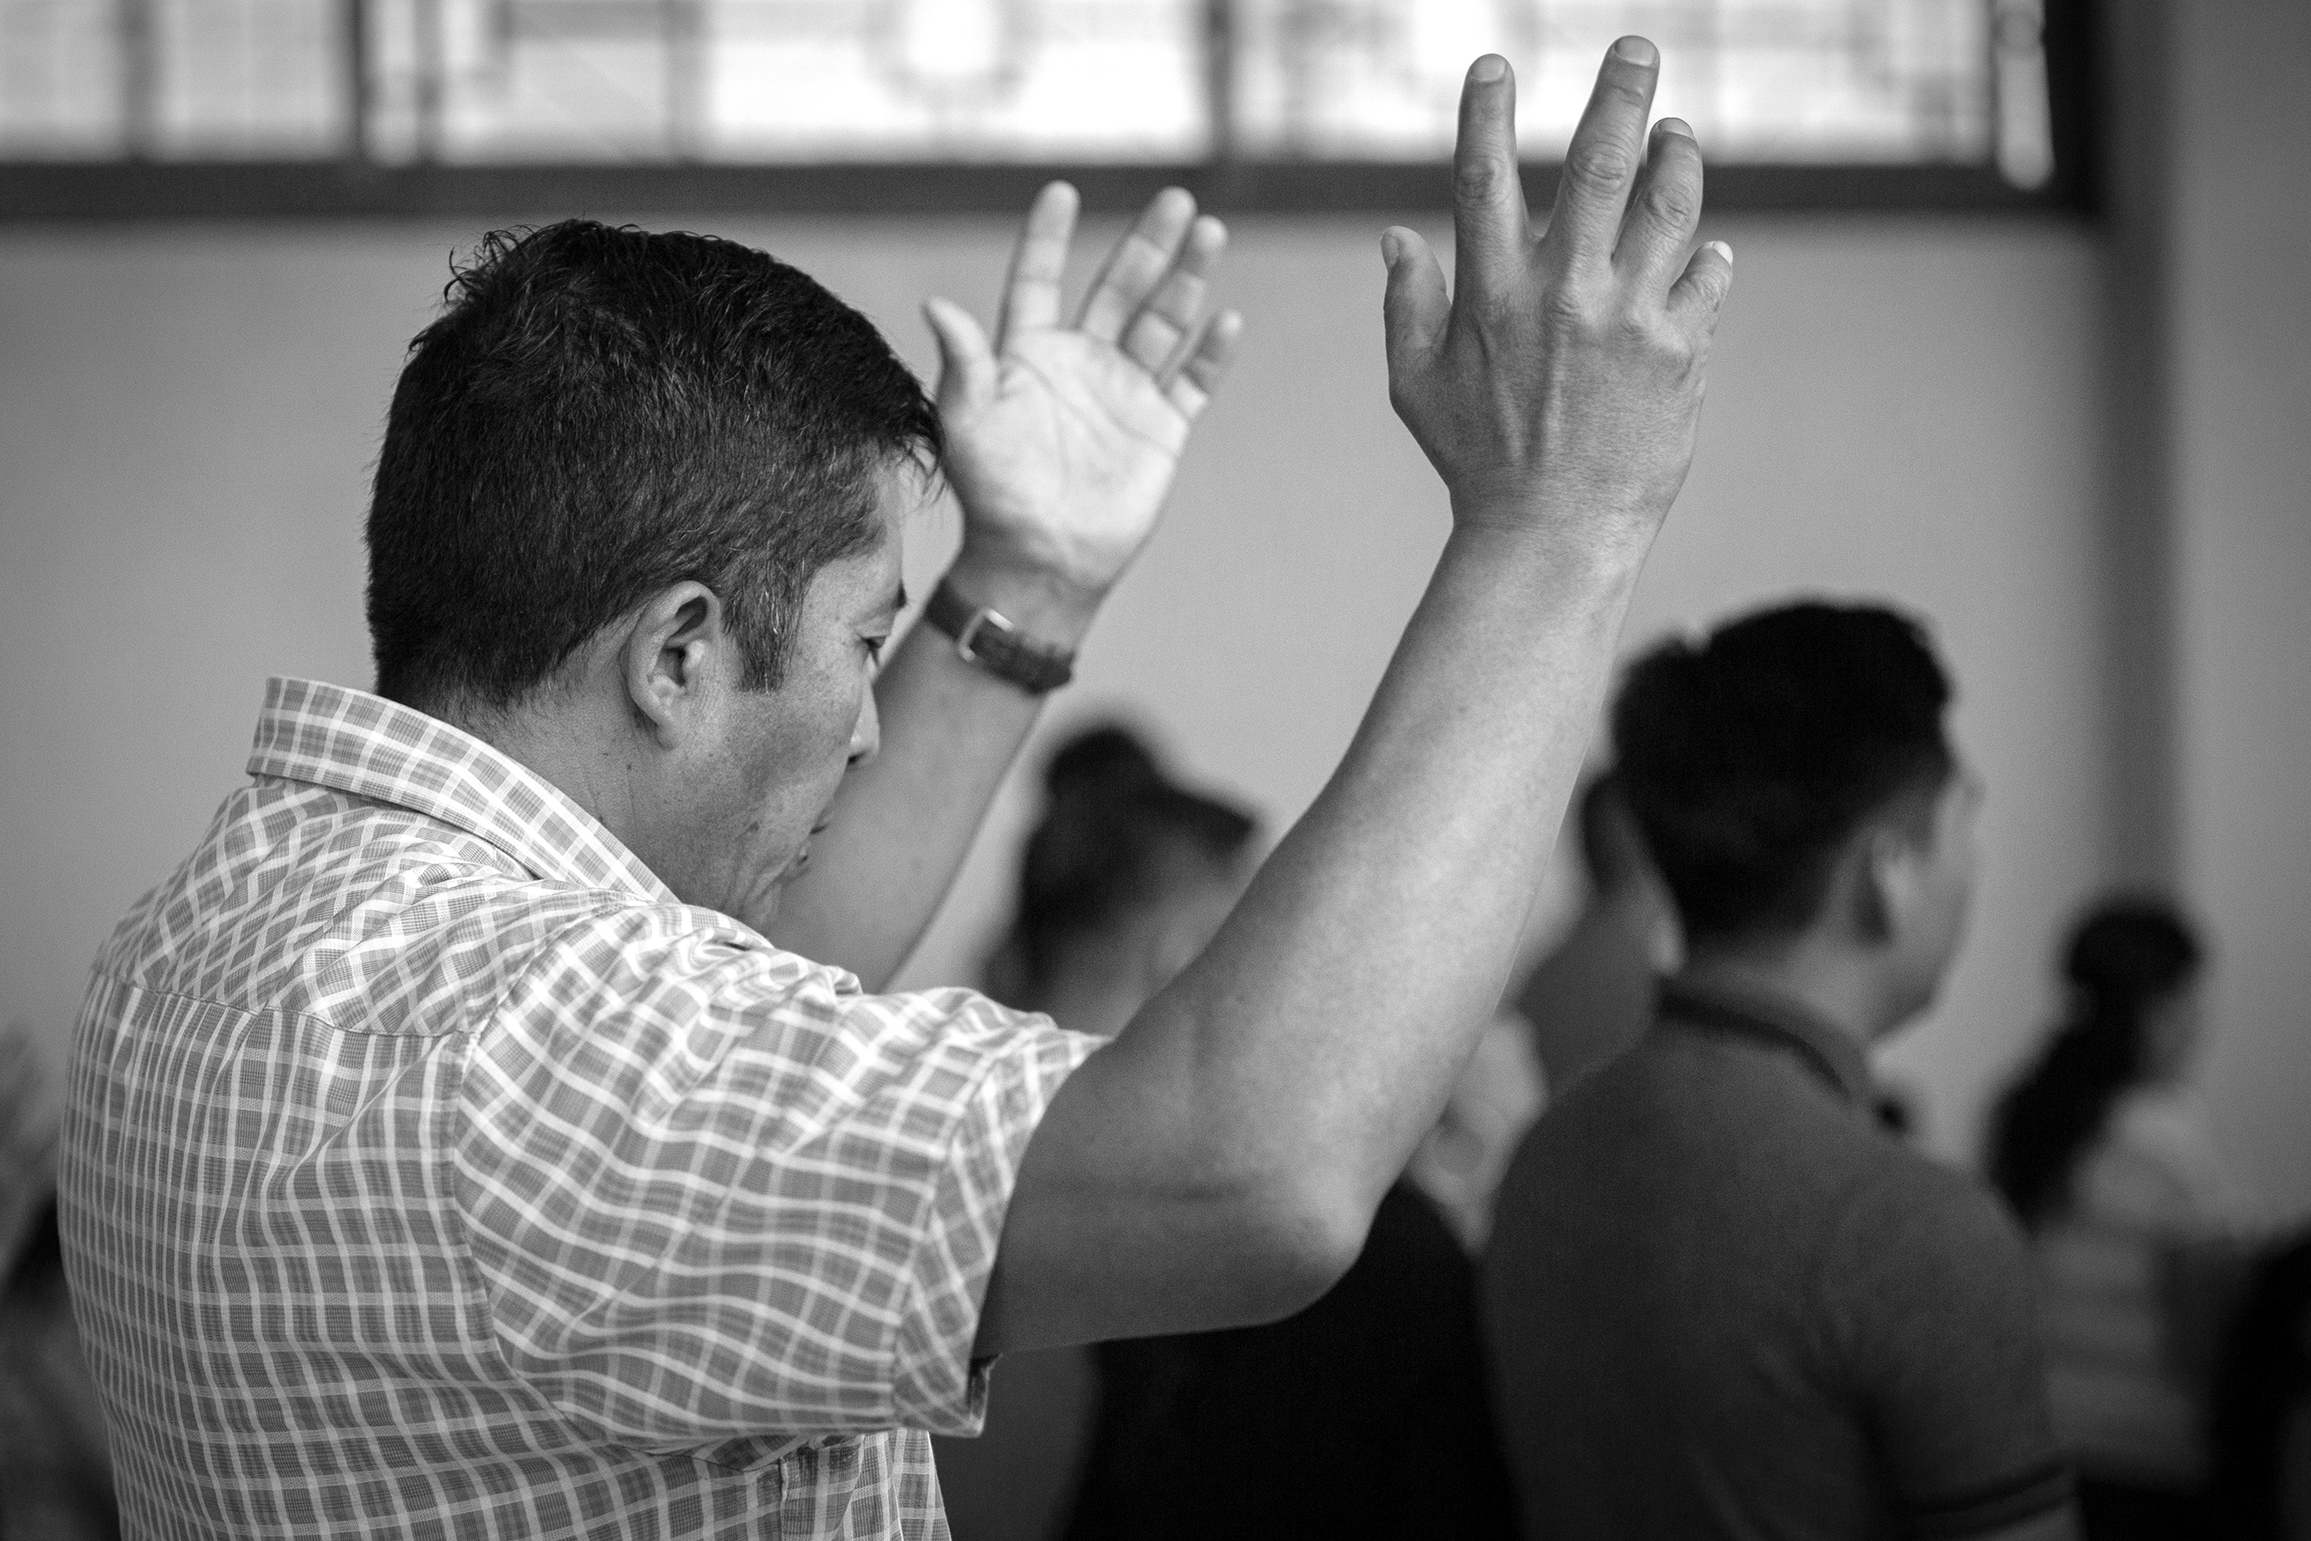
(1492, 235)
(1601, 162)
(1031, 295)
(1414, 313)
(1663, 210)
(966, 361)
(1137, 264)
(1206, 364)
(1696, 298)
(1172, 310)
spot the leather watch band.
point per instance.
(988, 639)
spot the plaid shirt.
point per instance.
(431, 1170)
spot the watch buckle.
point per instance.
(982, 618)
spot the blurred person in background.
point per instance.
(1364, 1415)
(2133, 1227)
(1124, 878)
(1459, 1165)
(1721, 1299)
(55, 1466)
(1592, 996)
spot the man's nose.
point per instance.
(867, 732)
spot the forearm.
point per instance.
(1286, 1076)
(900, 828)
(1347, 989)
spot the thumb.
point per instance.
(1416, 308)
(966, 362)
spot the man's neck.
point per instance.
(580, 746)
(1824, 982)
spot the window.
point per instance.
(1347, 101)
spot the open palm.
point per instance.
(1062, 438)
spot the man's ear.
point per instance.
(676, 660)
(1885, 881)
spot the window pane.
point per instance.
(60, 79)
(247, 78)
(791, 80)
(1781, 80)
(172, 78)
(605, 81)
(962, 79)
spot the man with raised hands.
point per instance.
(493, 1128)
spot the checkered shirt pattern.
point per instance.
(431, 1171)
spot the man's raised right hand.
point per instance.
(1220, 1161)
(1557, 390)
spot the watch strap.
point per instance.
(988, 639)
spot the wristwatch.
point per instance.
(988, 639)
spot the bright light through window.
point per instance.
(1152, 81)
(1767, 80)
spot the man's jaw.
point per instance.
(800, 862)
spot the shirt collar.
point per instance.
(352, 741)
(1828, 1050)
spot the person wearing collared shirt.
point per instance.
(495, 1127)
(1721, 1301)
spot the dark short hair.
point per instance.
(1751, 757)
(1611, 848)
(1115, 833)
(600, 413)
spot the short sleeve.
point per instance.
(715, 1193)
(1930, 1292)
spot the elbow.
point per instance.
(1300, 1242)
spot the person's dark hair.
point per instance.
(1751, 757)
(2125, 957)
(600, 413)
(1114, 831)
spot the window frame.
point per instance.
(115, 191)
(354, 185)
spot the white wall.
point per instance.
(2238, 242)
(1899, 408)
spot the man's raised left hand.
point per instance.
(1062, 437)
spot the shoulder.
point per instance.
(1700, 1096)
(1921, 1254)
(1909, 1205)
(655, 1008)
(298, 889)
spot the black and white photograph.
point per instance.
(1107, 770)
